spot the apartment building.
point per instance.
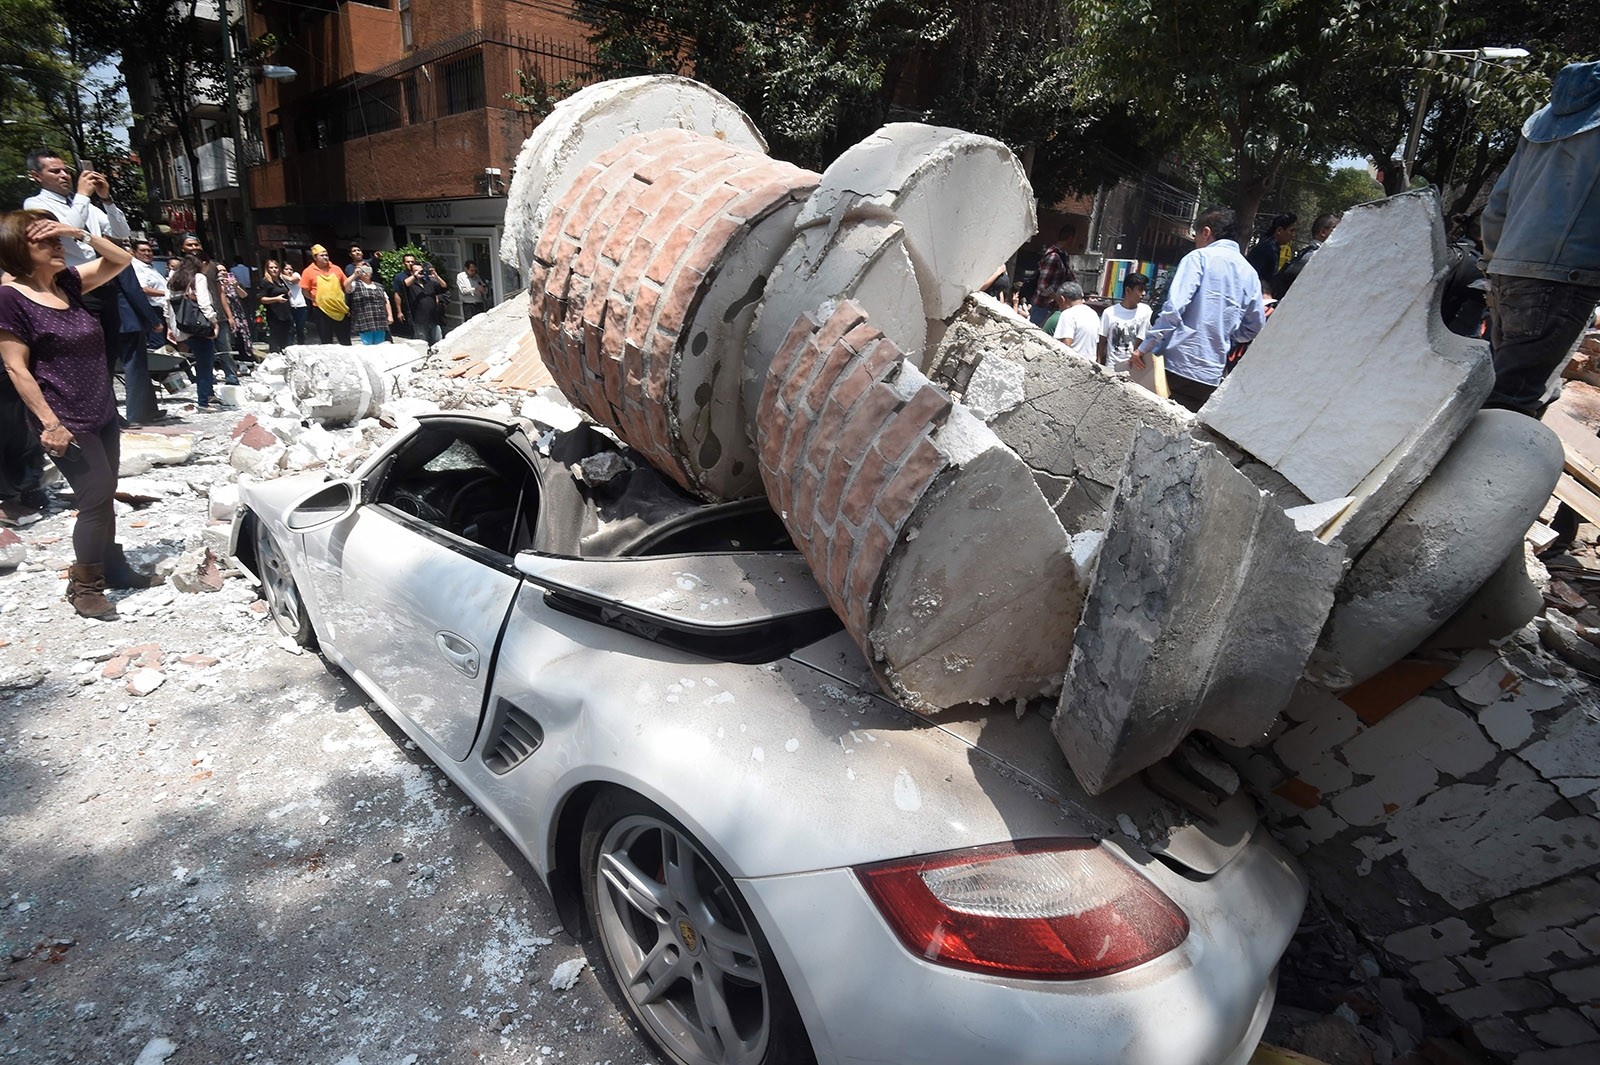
(171, 177)
(398, 124)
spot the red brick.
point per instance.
(753, 206)
(845, 317)
(665, 219)
(623, 233)
(853, 383)
(626, 153)
(834, 478)
(711, 245)
(598, 296)
(797, 375)
(928, 408)
(630, 268)
(916, 473)
(795, 440)
(764, 172)
(798, 336)
(716, 176)
(838, 564)
(866, 566)
(707, 206)
(669, 252)
(861, 336)
(1377, 698)
(828, 425)
(582, 213)
(679, 301)
(871, 475)
(881, 358)
(827, 377)
(642, 315)
(668, 154)
(867, 419)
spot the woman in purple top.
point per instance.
(55, 354)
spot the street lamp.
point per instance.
(1478, 56)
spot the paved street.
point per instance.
(248, 863)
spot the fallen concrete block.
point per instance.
(13, 550)
(256, 449)
(1368, 408)
(1071, 421)
(644, 282)
(895, 496)
(331, 382)
(1449, 538)
(142, 451)
(223, 501)
(594, 120)
(489, 335)
(1204, 606)
(1508, 600)
(963, 200)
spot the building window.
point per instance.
(275, 143)
(462, 88)
(406, 37)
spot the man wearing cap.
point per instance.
(1541, 242)
(323, 283)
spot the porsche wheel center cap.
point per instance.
(687, 934)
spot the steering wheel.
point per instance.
(452, 509)
(417, 507)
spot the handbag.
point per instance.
(187, 316)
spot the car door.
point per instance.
(413, 609)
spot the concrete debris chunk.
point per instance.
(1074, 423)
(142, 451)
(1369, 408)
(1450, 537)
(13, 550)
(1204, 606)
(963, 200)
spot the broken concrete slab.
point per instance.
(963, 199)
(142, 451)
(13, 550)
(1073, 420)
(1508, 600)
(1448, 539)
(595, 119)
(1204, 605)
(1365, 410)
(491, 336)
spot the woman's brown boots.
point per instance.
(86, 591)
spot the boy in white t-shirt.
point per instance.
(1078, 327)
(1124, 324)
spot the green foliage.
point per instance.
(390, 262)
(1346, 187)
(538, 96)
(815, 77)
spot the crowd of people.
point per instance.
(81, 301)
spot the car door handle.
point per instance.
(461, 653)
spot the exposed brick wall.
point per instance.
(624, 262)
(843, 456)
(1448, 811)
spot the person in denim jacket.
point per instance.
(1541, 238)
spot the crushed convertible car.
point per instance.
(651, 697)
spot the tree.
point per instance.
(815, 77)
(1263, 76)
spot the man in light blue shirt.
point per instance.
(1213, 303)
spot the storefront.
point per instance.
(456, 231)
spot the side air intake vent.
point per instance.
(516, 735)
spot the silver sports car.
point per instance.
(652, 699)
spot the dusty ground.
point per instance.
(247, 864)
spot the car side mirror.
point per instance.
(326, 505)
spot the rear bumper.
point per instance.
(866, 999)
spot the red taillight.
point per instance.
(1038, 909)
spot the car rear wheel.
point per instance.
(284, 605)
(684, 950)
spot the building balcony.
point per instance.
(218, 170)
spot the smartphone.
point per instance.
(73, 453)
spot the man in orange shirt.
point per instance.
(324, 286)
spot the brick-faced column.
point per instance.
(893, 494)
(640, 285)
